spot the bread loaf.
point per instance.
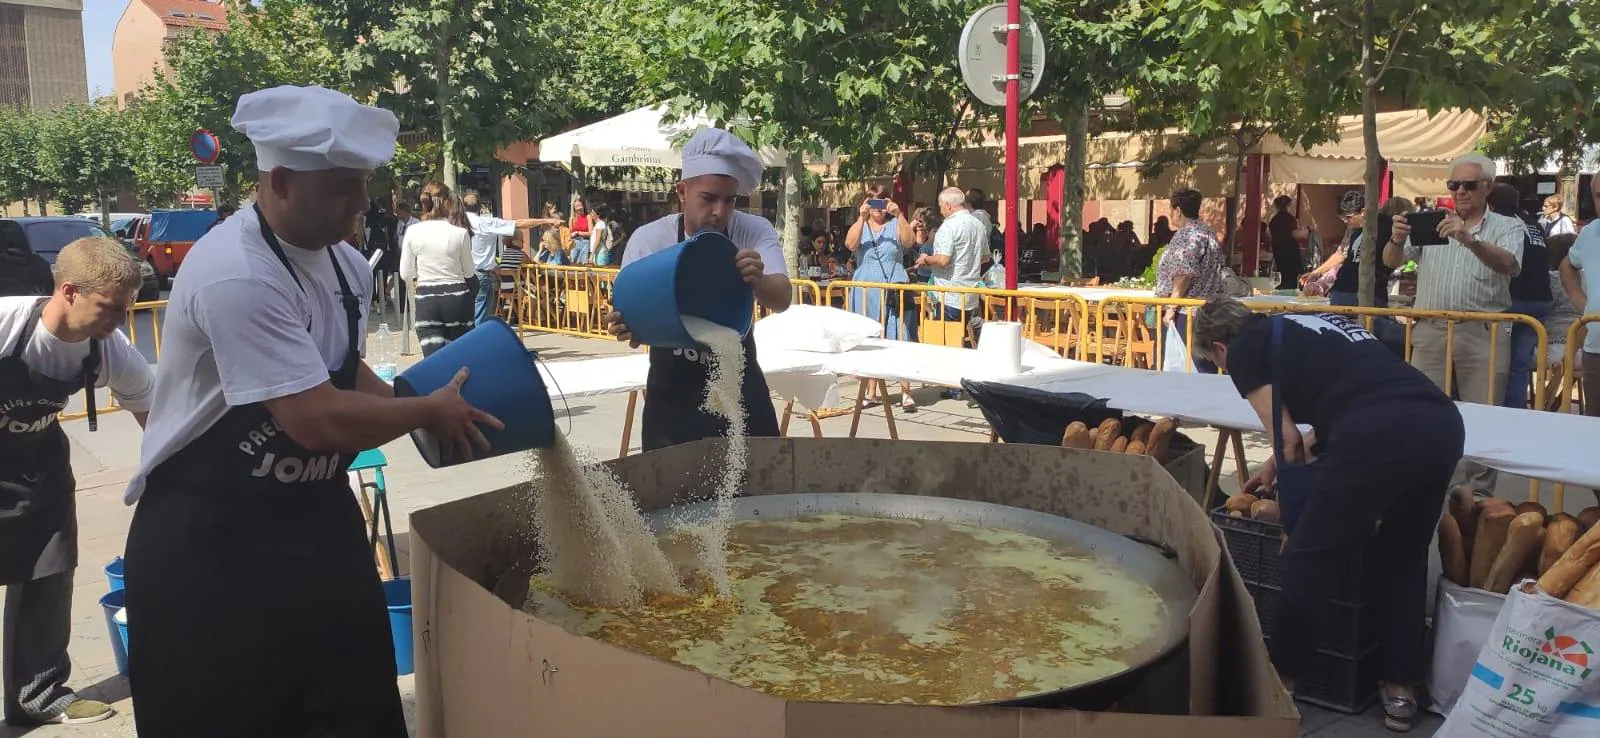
(1464, 507)
(1559, 535)
(1266, 511)
(1241, 503)
(1120, 445)
(1452, 552)
(1134, 447)
(1586, 592)
(1141, 433)
(1588, 517)
(1493, 524)
(1077, 436)
(1108, 432)
(1161, 439)
(1573, 565)
(1522, 543)
(1531, 506)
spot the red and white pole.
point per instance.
(1013, 113)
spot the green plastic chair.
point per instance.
(374, 461)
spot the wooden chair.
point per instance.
(1053, 323)
(580, 306)
(938, 331)
(506, 300)
(1093, 281)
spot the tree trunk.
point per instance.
(946, 150)
(105, 210)
(443, 93)
(794, 170)
(1368, 248)
(1569, 189)
(1230, 237)
(1071, 239)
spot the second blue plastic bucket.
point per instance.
(698, 277)
(118, 632)
(502, 381)
(114, 574)
(398, 594)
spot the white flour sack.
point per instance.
(1538, 674)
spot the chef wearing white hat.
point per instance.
(254, 607)
(718, 168)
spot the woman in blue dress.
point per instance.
(879, 239)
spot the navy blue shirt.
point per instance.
(1533, 282)
(1332, 365)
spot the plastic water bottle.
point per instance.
(381, 353)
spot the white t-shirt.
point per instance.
(122, 367)
(236, 333)
(746, 231)
(1585, 256)
(436, 252)
(487, 231)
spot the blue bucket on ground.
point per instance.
(114, 574)
(111, 603)
(697, 277)
(502, 381)
(397, 592)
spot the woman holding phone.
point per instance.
(879, 239)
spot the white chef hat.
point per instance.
(717, 151)
(308, 129)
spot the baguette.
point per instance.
(1107, 434)
(1573, 565)
(1241, 503)
(1452, 552)
(1077, 436)
(1522, 542)
(1120, 445)
(1531, 506)
(1266, 511)
(1141, 433)
(1588, 517)
(1562, 531)
(1586, 593)
(1160, 439)
(1493, 524)
(1134, 447)
(1464, 508)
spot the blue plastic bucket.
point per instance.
(114, 574)
(502, 382)
(697, 277)
(398, 594)
(118, 632)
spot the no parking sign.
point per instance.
(205, 146)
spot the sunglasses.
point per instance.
(1465, 185)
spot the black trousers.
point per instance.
(1390, 461)
(38, 626)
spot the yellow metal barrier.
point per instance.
(140, 338)
(1125, 313)
(1059, 321)
(1571, 378)
(564, 299)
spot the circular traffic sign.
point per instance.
(983, 55)
(205, 146)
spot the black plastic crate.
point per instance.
(1347, 629)
(1341, 683)
(1255, 545)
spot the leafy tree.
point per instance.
(1096, 48)
(19, 159)
(861, 78)
(267, 43)
(478, 72)
(1438, 54)
(86, 153)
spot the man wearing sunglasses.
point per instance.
(1470, 272)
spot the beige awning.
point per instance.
(1419, 147)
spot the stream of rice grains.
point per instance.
(597, 547)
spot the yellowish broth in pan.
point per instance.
(857, 609)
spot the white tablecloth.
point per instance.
(792, 375)
(1548, 446)
(945, 366)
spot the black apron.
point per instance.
(676, 388)
(254, 605)
(38, 500)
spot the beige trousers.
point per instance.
(1472, 378)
